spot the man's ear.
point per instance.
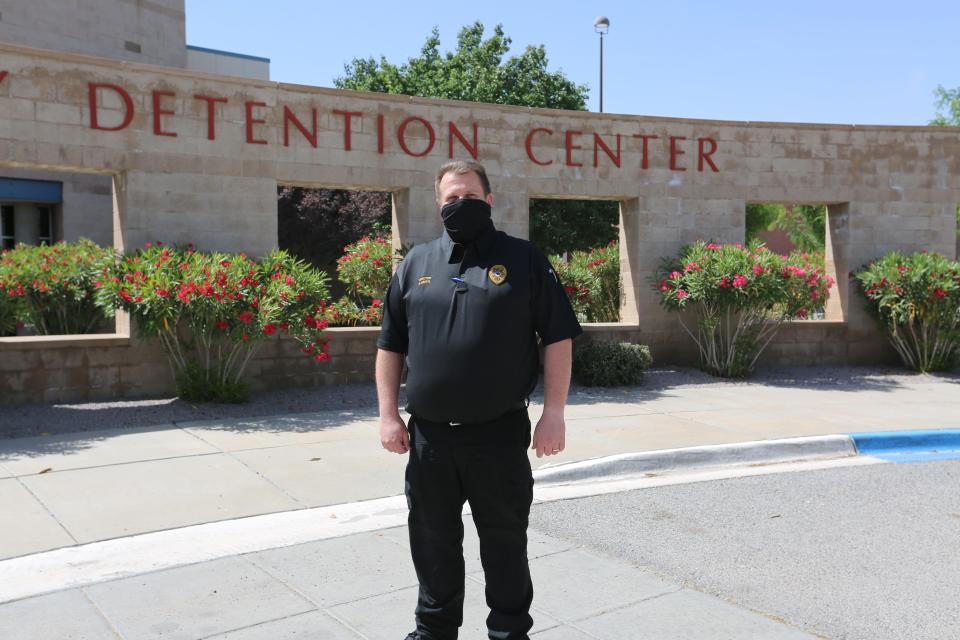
(489, 199)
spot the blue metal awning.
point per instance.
(46, 191)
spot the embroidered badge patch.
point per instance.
(422, 280)
(497, 274)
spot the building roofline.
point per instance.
(232, 54)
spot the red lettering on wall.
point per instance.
(646, 157)
(529, 144)
(570, 147)
(127, 103)
(159, 111)
(380, 133)
(674, 152)
(402, 132)
(598, 144)
(705, 155)
(249, 105)
(471, 149)
(211, 112)
(347, 115)
(3, 75)
(288, 117)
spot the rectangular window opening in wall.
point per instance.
(40, 207)
(815, 235)
(581, 238)
(348, 234)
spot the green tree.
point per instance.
(948, 101)
(804, 224)
(478, 70)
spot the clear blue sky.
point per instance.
(842, 61)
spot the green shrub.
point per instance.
(608, 363)
(592, 282)
(916, 299)
(50, 288)
(210, 311)
(741, 297)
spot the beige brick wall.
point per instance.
(888, 187)
(100, 28)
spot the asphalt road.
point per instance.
(869, 553)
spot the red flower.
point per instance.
(222, 324)
(939, 293)
(376, 302)
(675, 274)
(713, 246)
(681, 294)
(163, 293)
(739, 280)
(320, 357)
(289, 280)
(801, 313)
(284, 326)
(246, 317)
(245, 338)
(757, 269)
(148, 244)
(691, 266)
(269, 329)
(725, 282)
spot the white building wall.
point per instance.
(148, 31)
(225, 63)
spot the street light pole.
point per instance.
(601, 25)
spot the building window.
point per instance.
(7, 230)
(26, 223)
(45, 222)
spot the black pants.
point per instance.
(487, 465)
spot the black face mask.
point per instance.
(465, 219)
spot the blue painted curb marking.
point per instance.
(925, 444)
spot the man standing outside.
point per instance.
(465, 311)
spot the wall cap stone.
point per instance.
(64, 341)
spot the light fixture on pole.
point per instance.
(601, 25)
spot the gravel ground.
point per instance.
(36, 419)
(863, 553)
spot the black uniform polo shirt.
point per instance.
(467, 318)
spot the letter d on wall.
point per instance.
(127, 103)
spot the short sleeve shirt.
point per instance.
(468, 319)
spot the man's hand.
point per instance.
(549, 436)
(393, 434)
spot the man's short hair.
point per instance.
(461, 167)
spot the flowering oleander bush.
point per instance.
(347, 313)
(365, 267)
(916, 298)
(607, 363)
(592, 282)
(50, 288)
(740, 296)
(211, 310)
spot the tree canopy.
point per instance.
(475, 71)
(948, 107)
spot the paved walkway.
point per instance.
(75, 489)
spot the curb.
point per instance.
(723, 455)
(887, 445)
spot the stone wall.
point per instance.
(197, 158)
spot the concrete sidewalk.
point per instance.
(218, 529)
(363, 587)
(78, 488)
